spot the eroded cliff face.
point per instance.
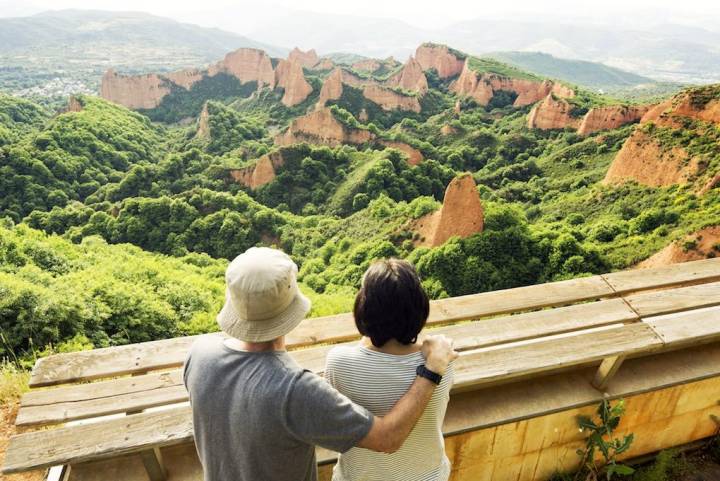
(647, 159)
(321, 127)
(203, 128)
(134, 91)
(482, 87)
(261, 173)
(414, 156)
(147, 91)
(552, 113)
(368, 65)
(73, 105)
(440, 58)
(461, 214)
(289, 76)
(306, 59)
(325, 64)
(611, 117)
(696, 246)
(385, 97)
(411, 77)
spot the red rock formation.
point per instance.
(411, 77)
(248, 65)
(552, 113)
(203, 129)
(260, 173)
(325, 64)
(389, 99)
(289, 76)
(460, 215)
(385, 97)
(73, 105)
(321, 127)
(440, 58)
(705, 246)
(367, 65)
(611, 117)
(482, 87)
(185, 78)
(306, 59)
(133, 91)
(447, 129)
(645, 161)
(414, 155)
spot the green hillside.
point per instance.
(117, 228)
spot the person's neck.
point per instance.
(274, 345)
(391, 347)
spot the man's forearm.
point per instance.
(390, 431)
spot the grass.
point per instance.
(489, 65)
(13, 382)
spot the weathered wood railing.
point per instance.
(636, 334)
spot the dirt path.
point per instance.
(7, 429)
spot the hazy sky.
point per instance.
(426, 13)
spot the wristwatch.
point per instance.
(422, 371)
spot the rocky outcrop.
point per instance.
(647, 159)
(702, 244)
(368, 65)
(385, 97)
(306, 59)
(411, 77)
(260, 173)
(439, 57)
(482, 87)
(611, 117)
(289, 76)
(147, 91)
(460, 215)
(321, 127)
(414, 156)
(447, 129)
(134, 91)
(325, 64)
(203, 128)
(552, 113)
(389, 99)
(247, 65)
(643, 159)
(73, 105)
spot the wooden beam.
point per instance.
(155, 355)
(624, 282)
(153, 462)
(133, 394)
(608, 368)
(687, 328)
(675, 300)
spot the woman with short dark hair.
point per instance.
(390, 310)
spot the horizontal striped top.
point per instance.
(376, 381)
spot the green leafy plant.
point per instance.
(601, 440)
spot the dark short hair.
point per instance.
(391, 303)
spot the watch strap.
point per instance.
(423, 371)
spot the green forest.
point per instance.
(116, 226)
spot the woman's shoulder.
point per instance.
(344, 353)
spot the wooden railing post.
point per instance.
(152, 459)
(606, 371)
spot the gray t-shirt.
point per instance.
(258, 416)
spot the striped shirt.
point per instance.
(377, 381)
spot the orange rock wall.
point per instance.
(389, 99)
(612, 117)
(306, 59)
(289, 76)
(259, 174)
(551, 113)
(321, 127)
(203, 129)
(414, 155)
(411, 77)
(440, 58)
(133, 91)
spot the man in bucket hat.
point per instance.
(257, 415)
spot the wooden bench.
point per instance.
(527, 332)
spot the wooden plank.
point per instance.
(82, 401)
(502, 364)
(687, 328)
(706, 270)
(675, 300)
(608, 368)
(101, 440)
(471, 411)
(153, 461)
(118, 361)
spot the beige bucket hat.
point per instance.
(262, 298)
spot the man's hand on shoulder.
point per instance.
(438, 352)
